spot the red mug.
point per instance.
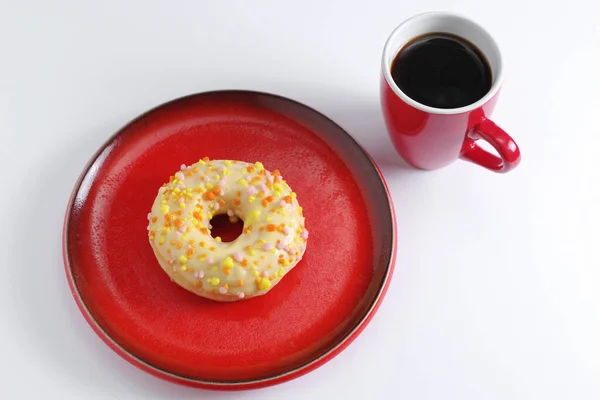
(428, 137)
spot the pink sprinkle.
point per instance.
(181, 199)
(286, 230)
(280, 245)
(304, 234)
(206, 178)
(286, 249)
(183, 229)
(222, 169)
(149, 216)
(251, 191)
(282, 203)
(183, 167)
(201, 274)
(178, 233)
(180, 186)
(264, 188)
(162, 189)
(217, 206)
(148, 228)
(171, 261)
(180, 176)
(222, 290)
(189, 246)
(210, 261)
(230, 212)
(222, 182)
(248, 178)
(266, 274)
(241, 295)
(237, 256)
(209, 226)
(267, 246)
(268, 174)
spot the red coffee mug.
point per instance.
(428, 137)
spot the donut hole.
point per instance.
(228, 231)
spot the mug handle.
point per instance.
(508, 151)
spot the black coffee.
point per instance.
(442, 70)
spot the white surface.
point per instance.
(496, 291)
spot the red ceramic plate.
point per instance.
(308, 318)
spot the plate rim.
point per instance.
(226, 385)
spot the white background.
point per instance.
(496, 293)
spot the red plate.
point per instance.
(308, 318)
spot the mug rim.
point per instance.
(386, 69)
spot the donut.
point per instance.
(272, 242)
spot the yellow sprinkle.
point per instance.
(202, 257)
(281, 271)
(225, 171)
(243, 182)
(300, 208)
(214, 268)
(177, 190)
(286, 263)
(218, 238)
(252, 253)
(265, 284)
(297, 240)
(269, 218)
(161, 240)
(201, 162)
(217, 177)
(273, 250)
(164, 208)
(277, 187)
(259, 165)
(185, 236)
(228, 263)
(182, 258)
(255, 213)
(293, 194)
(214, 281)
(202, 189)
(163, 202)
(151, 237)
(184, 268)
(227, 162)
(182, 205)
(251, 199)
(209, 186)
(255, 273)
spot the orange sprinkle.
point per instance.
(189, 252)
(209, 196)
(172, 242)
(204, 230)
(240, 283)
(236, 202)
(195, 169)
(179, 212)
(248, 248)
(261, 172)
(271, 227)
(238, 194)
(226, 286)
(221, 202)
(154, 219)
(244, 263)
(196, 214)
(276, 173)
(257, 280)
(281, 256)
(269, 198)
(167, 217)
(227, 271)
(250, 169)
(191, 243)
(178, 223)
(216, 190)
(206, 159)
(288, 199)
(264, 203)
(262, 228)
(281, 261)
(202, 244)
(212, 248)
(178, 246)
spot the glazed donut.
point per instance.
(272, 242)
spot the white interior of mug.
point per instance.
(443, 22)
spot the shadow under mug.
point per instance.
(428, 137)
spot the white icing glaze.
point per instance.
(272, 243)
